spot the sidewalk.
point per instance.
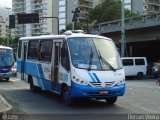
(4, 105)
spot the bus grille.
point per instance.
(100, 84)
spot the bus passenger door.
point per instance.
(21, 58)
(55, 64)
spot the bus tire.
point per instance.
(111, 100)
(33, 88)
(7, 79)
(66, 97)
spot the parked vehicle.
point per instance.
(73, 65)
(135, 66)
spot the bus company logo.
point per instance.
(117, 74)
(4, 116)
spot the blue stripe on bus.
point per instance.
(5, 70)
(96, 77)
(92, 77)
(39, 82)
(40, 71)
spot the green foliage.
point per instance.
(3, 41)
(69, 26)
(108, 11)
(78, 25)
(12, 41)
(129, 14)
(62, 31)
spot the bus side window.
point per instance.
(33, 50)
(45, 51)
(65, 57)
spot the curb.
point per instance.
(4, 105)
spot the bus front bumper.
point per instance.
(93, 92)
(6, 75)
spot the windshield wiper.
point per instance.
(106, 62)
(90, 59)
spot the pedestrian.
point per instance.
(158, 66)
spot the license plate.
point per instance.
(103, 92)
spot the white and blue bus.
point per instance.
(73, 65)
(6, 62)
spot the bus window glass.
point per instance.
(45, 51)
(6, 58)
(108, 52)
(33, 50)
(65, 56)
(88, 52)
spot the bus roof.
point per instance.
(5, 47)
(68, 34)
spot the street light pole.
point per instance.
(8, 26)
(122, 30)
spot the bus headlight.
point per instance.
(82, 82)
(77, 80)
(121, 82)
(13, 69)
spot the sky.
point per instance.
(3, 4)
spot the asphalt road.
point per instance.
(142, 97)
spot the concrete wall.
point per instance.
(137, 6)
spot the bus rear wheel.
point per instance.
(33, 87)
(111, 100)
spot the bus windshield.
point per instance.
(6, 58)
(94, 54)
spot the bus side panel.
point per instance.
(42, 83)
(39, 70)
(20, 64)
(41, 74)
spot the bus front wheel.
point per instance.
(111, 100)
(66, 97)
(7, 79)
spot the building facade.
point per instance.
(67, 6)
(3, 28)
(144, 7)
(62, 9)
(45, 8)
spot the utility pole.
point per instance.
(122, 30)
(8, 26)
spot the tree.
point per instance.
(3, 41)
(109, 10)
(12, 41)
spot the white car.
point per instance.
(135, 66)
